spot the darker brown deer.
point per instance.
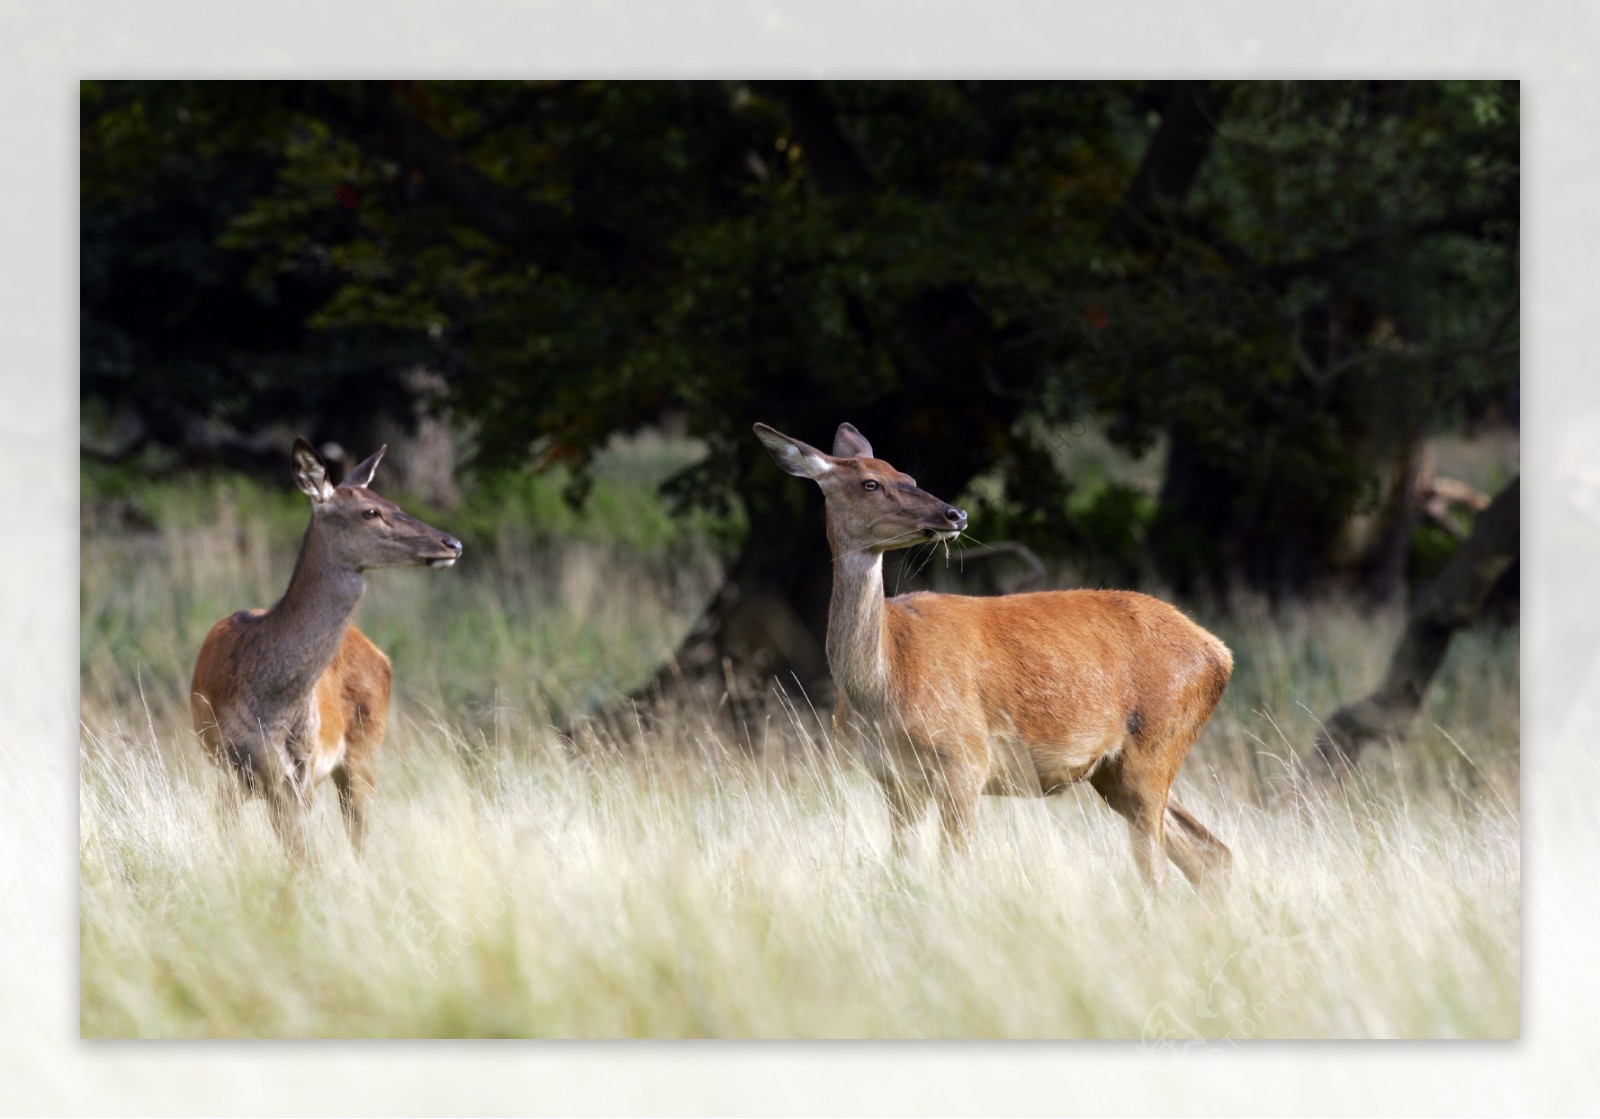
(1022, 694)
(285, 697)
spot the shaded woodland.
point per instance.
(1290, 286)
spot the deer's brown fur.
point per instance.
(1024, 694)
(285, 697)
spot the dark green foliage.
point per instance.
(1319, 273)
(183, 329)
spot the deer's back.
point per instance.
(1052, 665)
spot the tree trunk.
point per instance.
(1193, 506)
(1193, 529)
(1173, 160)
(943, 424)
(1455, 598)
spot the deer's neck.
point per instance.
(856, 631)
(308, 624)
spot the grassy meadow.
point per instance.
(690, 873)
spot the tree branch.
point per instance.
(1468, 221)
(1453, 599)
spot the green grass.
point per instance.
(689, 876)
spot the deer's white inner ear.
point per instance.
(799, 462)
(793, 456)
(816, 466)
(312, 478)
(804, 464)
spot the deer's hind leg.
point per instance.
(1144, 800)
(364, 676)
(1204, 859)
(1141, 801)
(365, 721)
(355, 787)
(356, 776)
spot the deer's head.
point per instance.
(871, 506)
(360, 528)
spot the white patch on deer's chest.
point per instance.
(325, 761)
(306, 757)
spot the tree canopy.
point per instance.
(1287, 281)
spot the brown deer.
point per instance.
(284, 697)
(1019, 694)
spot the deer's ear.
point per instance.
(361, 477)
(850, 443)
(800, 459)
(310, 472)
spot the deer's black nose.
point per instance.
(956, 517)
(453, 544)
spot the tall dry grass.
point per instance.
(696, 875)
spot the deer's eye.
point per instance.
(371, 513)
(869, 485)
